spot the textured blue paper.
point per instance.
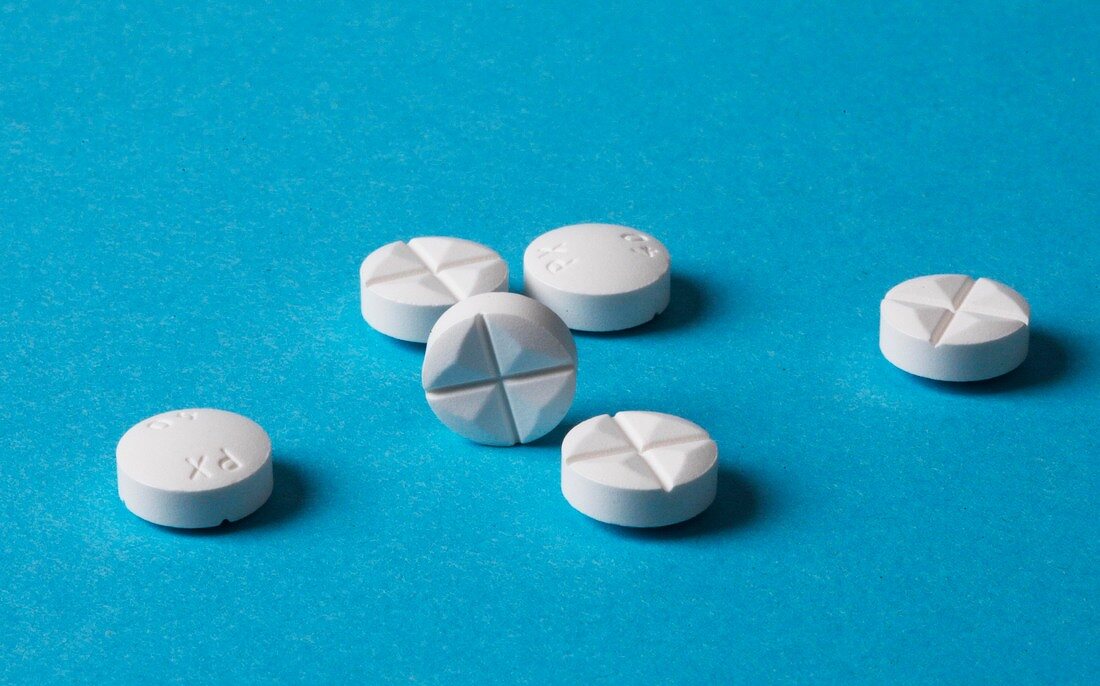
(186, 194)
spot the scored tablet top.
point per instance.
(500, 369)
(640, 469)
(951, 327)
(406, 287)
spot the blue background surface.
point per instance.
(186, 194)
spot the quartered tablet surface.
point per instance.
(598, 277)
(500, 369)
(639, 469)
(951, 327)
(405, 287)
(194, 468)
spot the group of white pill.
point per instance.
(500, 368)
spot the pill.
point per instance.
(598, 277)
(950, 327)
(640, 469)
(500, 369)
(405, 287)
(194, 468)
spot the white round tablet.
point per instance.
(950, 327)
(194, 468)
(641, 469)
(405, 287)
(500, 369)
(598, 277)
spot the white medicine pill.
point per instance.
(500, 369)
(640, 469)
(405, 287)
(598, 277)
(194, 468)
(950, 327)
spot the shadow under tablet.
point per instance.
(737, 504)
(290, 495)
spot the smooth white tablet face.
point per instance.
(500, 369)
(598, 277)
(405, 287)
(951, 327)
(640, 469)
(194, 468)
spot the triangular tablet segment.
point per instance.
(918, 321)
(968, 328)
(536, 401)
(422, 289)
(596, 436)
(390, 261)
(682, 463)
(625, 471)
(479, 412)
(472, 279)
(461, 356)
(938, 290)
(993, 298)
(647, 429)
(440, 253)
(521, 347)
